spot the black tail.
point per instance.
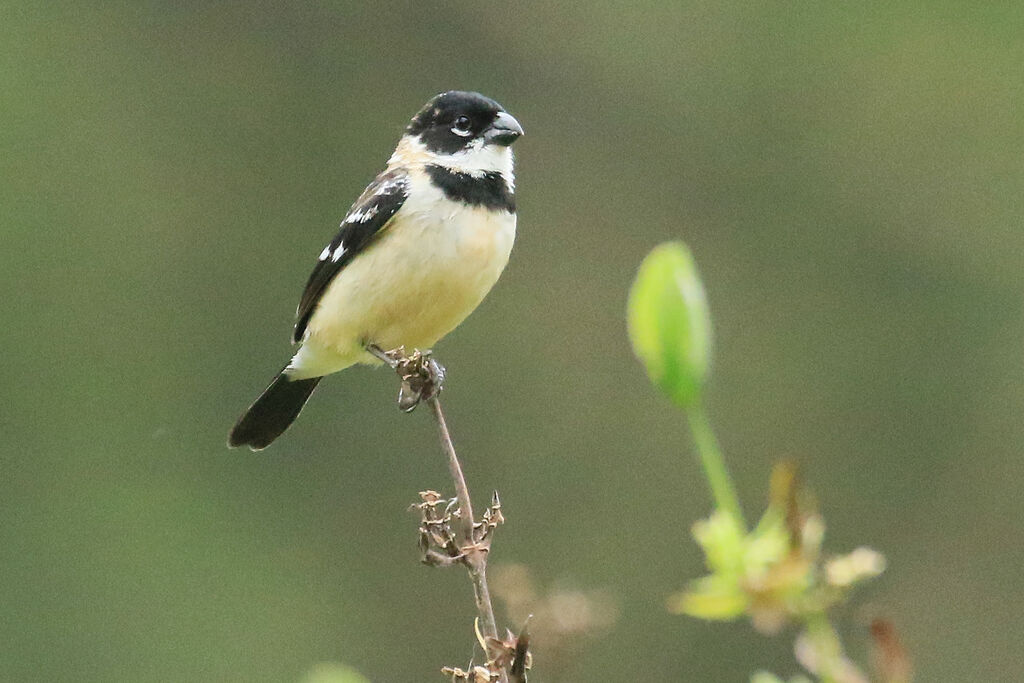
(275, 409)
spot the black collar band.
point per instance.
(489, 190)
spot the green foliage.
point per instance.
(669, 323)
(775, 574)
(670, 328)
(736, 559)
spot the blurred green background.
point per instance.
(850, 180)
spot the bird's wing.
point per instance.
(367, 219)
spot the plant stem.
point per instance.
(455, 469)
(475, 556)
(714, 465)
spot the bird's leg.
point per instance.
(422, 376)
(390, 358)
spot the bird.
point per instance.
(415, 255)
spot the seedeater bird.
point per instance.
(416, 253)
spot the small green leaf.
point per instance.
(669, 322)
(710, 598)
(723, 541)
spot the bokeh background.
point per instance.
(849, 177)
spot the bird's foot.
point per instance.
(422, 376)
(422, 379)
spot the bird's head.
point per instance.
(464, 131)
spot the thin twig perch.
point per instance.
(474, 551)
(470, 541)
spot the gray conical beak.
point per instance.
(504, 131)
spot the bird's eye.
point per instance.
(461, 126)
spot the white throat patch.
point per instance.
(476, 160)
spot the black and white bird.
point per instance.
(416, 254)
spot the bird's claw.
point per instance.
(422, 376)
(422, 379)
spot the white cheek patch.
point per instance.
(476, 159)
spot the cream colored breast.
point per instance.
(428, 271)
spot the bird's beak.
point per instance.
(504, 131)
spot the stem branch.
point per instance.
(455, 469)
(475, 555)
(714, 465)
